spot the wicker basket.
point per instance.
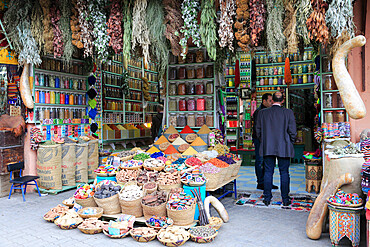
(203, 240)
(159, 168)
(169, 187)
(236, 168)
(229, 171)
(51, 219)
(90, 230)
(132, 168)
(182, 217)
(216, 226)
(173, 244)
(150, 191)
(213, 180)
(141, 238)
(88, 202)
(168, 224)
(67, 227)
(116, 236)
(99, 213)
(131, 207)
(149, 211)
(127, 158)
(109, 205)
(70, 205)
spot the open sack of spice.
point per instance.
(106, 188)
(91, 223)
(55, 212)
(124, 176)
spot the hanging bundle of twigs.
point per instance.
(257, 19)
(339, 18)
(58, 43)
(208, 28)
(242, 15)
(115, 26)
(75, 26)
(274, 25)
(174, 22)
(36, 25)
(305, 9)
(290, 26)
(86, 28)
(48, 30)
(65, 27)
(316, 22)
(140, 32)
(225, 30)
(127, 28)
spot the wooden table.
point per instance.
(222, 185)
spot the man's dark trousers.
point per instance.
(283, 164)
(258, 165)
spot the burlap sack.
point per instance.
(69, 164)
(93, 158)
(49, 166)
(81, 162)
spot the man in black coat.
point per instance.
(276, 129)
(157, 122)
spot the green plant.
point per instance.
(127, 28)
(208, 27)
(274, 25)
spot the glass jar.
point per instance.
(190, 72)
(209, 103)
(329, 82)
(182, 105)
(329, 117)
(310, 78)
(295, 56)
(172, 105)
(182, 73)
(309, 55)
(305, 68)
(257, 59)
(309, 68)
(295, 79)
(199, 56)
(173, 119)
(190, 88)
(305, 56)
(200, 72)
(305, 79)
(295, 69)
(262, 81)
(328, 100)
(173, 59)
(326, 65)
(231, 70)
(200, 120)
(209, 87)
(209, 120)
(280, 70)
(181, 120)
(275, 81)
(190, 57)
(201, 104)
(339, 101)
(191, 104)
(280, 80)
(265, 59)
(191, 120)
(209, 71)
(340, 116)
(199, 88)
(300, 79)
(276, 70)
(180, 60)
(181, 89)
(271, 81)
(280, 58)
(271, 70)
(266, 69)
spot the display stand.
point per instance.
(65, 188)
(224, 191)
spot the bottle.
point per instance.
(47, 97)
(37, 96)
(52, 97)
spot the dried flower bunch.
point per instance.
(115, 26)
(58, 44)
(140, 32)
(37, 28)
(48, 30)
(86, 28)
(208, 28)
(127, 28)
(305, 9)
(174, 22)
(189, 10)
(257, 19)
(75, 26)
(316, 22)
(225, 30)
(339, 18)
(290, 22)
(274, 25)
(242, 16)
(65, 27)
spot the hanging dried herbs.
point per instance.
(290, 27)
(257, 19)
(140, 32)
(208, 27)
(305, 9)
(75, 26)
(225, 30)
(189, 10)
(86, 28)
(174, 22)
(66, 30)
(115, 26)
(99, 22)
(158, 47)
(18, 26)
(127, 28)
(316, 24)
(274, 25)
(48, 29)
(339, 18)
(242, 16)
(36, 25)
(58, 43)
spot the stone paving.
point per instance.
(21, 224)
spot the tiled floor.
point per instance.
(248, 181)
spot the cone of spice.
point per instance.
(170, 150)
(171, 130)
(179, 141)
(204, 133)
(153, 150)
(186, 131)
(199, 145)
(190, 152)
(161, 140)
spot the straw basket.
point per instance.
(132, 168)
(51, 219)
(150, 211)
(203, 240)
(213, 180)
(159, 168)
(236, 168)
(88, 202)
(229, 171)
(150, 191)
(200, 148)
(67, 227)
(90, 230)
(173, 244)
(182, 217)
(109, 205)
(215, 226)
(99, 213)
(106, 233)
(105, 174)
(141, 238)
(169, 187)
(127, 158)
(131, 207)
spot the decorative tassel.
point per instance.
(237, 74)
(287, 74)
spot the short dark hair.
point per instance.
(276, 98)
(160, 108)
(266, 96)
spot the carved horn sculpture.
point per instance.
(24, 87)
(352, 101)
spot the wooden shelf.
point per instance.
(191, 64)
(195, 79)
(60, 89)
(112, 98)
(50, 72)
(60, 105)
(111, 73)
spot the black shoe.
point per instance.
(267, 203)
(274, 187)
(260, 187)
(288, 202)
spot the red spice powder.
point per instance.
(171, 150)
(187, 130)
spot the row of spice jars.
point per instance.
(59, 66)
(191, 104)
(110, 79)
(134, 95)
(334, 116)
(133, 72)
(113, 105)
(133, 83)
(279, 70)
(58, 113)
(52, 97)
(199, 56)
(151, 76)
(131, 106)
(279, 58)
(152, 67)
(190, 72)
(279, 80)
(113, 67)
(133, 62)
(112, 92)
(45, 80)
(113, 117)
(117, 58)
(191, 119)
(328, 101)
(151, 108)
(134, 118)
(190, 88)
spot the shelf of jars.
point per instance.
(191, 90)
